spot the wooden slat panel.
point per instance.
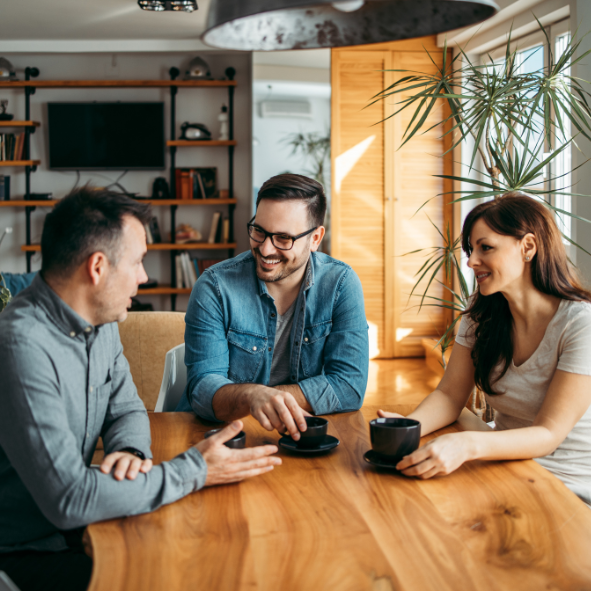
(414, 167)
(358, 179)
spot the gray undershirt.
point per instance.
(281, 353)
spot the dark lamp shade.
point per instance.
(270, 25)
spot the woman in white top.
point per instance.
(526, 342)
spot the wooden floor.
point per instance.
(399, 381)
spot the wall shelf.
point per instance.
(161, 246)
(19, 124)
(154, 202)
(115, 83)
(200, 143)
(20, 162)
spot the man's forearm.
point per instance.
(297, 393)
(232, 402)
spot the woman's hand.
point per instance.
(389, 415)
(438, 457)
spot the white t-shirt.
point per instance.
(566, 346)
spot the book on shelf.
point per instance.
(149, 238)
(12, 146)
(226, 230)
(215, 226)
(186, 271)
(196, 267)
(178, 272)
(200, 194)
(206, 263)
(196, 183)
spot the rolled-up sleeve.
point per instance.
(341, 386)
(126, 423)
(37, 439)
(206, 347)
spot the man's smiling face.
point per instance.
(289, 217)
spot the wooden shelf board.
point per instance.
(160, 246)
(23, 203)
(19, 124)
(19, 162)
(115, 83)
(200, 143)
(154, 202)
(164, 290)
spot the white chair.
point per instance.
(173, 380)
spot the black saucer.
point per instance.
(329, 443)
(379, 461)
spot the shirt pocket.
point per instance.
(312, 353)
(246, 353)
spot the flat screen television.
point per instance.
(106, 136)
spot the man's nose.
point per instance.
(267, 247)
(143, 276)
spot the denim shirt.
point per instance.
(230, 335)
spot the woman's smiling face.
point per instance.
(499, 262)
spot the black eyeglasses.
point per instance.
(279, 240)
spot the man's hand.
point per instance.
(276, 409)
(125, 465)
(384, 414)
(225, 465)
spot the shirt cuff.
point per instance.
(202, 396)
(191, 468)
(320, 395)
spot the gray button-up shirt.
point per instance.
(64, 383)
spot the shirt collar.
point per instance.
(57, 310)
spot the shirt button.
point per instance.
(272, 314)
(254, 348)
(91, 388)
(297, 342)
(270, 348)
(87, 329)
(87, 434)
(306, 339)
(72, 334)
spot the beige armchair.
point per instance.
(146, 338)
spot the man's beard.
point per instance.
(286, 271)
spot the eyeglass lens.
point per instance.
(280, 241)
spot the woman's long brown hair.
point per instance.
(516, 215)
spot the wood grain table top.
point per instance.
(334, 522)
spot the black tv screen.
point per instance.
(103, 136)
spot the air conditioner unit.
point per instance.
(296, 109)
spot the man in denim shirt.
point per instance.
(280, 331)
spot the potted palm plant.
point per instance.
(507, 118)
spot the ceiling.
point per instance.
(95, 19)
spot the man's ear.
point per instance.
(317, 237)
(96, 267)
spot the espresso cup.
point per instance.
(237, 442)
(394, 438)
(314, 434)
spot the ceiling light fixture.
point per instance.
(269, 25)
(161, 5)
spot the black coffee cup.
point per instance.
(394, 438)
(237, 442)
(315, 433)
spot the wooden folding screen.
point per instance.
(377, 189)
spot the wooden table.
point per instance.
(334, 523)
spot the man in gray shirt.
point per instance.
(65, 382)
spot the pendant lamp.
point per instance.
(270, 25)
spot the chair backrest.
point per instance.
(146, 338)
(173, 380)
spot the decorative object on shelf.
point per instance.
(198, 70)
(195, 131)
(162, 5)
(4, 116)
(186, 233)
(160, 189)
(252, 25)
(4, 191)
(7, 70)
(223, 119)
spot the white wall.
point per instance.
(194, 105)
